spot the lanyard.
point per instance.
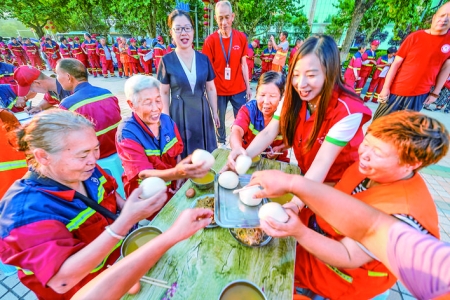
(227, 56)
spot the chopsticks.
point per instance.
(154, 281)
(157, 282)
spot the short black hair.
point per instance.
(48, 39)
(273, 77)
(285, 33)
(13, 38)
(143, 41)
(62, 39)
(74, 67)
(391, 50)
(361, 47)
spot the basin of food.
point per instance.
(206, 201)
(138, 238)
(205, 182)
(250, 237)
(242, 290)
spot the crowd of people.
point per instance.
(358, 208)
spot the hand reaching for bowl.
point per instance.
(189, 222)
(274, 183)
(293, 227)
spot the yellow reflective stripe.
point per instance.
(150, 152)
(279, 138)
(11, 165)
(25, 271)
(377, 274)
(170, 145)
(282, 53)
(107, 129)
(347, 278)
(12, 103)
(106, 258)
(76, 222)
(90, 100)
(252, 129)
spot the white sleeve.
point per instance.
(277, 113)
(343, 131)
(284, 45)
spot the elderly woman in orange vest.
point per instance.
(386, 177)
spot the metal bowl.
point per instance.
(194, 205)
(255, 161)
(143, 235)
(242, 283)
(206, 185)
(266, 240)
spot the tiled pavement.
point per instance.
(437, 178)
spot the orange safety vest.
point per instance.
(410, 197)
(279, 60)
(12, 163)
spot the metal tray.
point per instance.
(229, 211)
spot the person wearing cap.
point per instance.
(298, 43)
(158, 52)
(78, 53)
(171, 47)
(251, 57)
(89, 47)
(368, 61)
(32, 80)
(65, 48)
(33, 54)
(105, 54)
(282, 49)
(4, 52)
(423, 61)
(267, 57)
(43, 55)
(7, 73)
(116, 51)
(51, 49)
(142, 51)
(383, 64)
(17, 51)
(227, 51)
(134, 57)
(96, 104)
(351, 75)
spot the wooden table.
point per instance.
(201, 266)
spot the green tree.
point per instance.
(32, 13)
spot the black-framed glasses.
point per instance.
(180, 29)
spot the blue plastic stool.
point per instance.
(113, 166)
(383, 296)
(7, 270)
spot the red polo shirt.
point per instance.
(213, 49)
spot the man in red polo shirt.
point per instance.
(227, 51)
(421, 62)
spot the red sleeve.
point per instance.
(133, 157)
(139, 50)
(379, 61)
(83, 46)
(405, 46)
(41, 247)
(128, 51)
(357, 62)
(245, 45)
(243, 119)
(50, 99)
(207, 48)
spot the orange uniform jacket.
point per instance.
(409, 196)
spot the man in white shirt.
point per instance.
(282, 49)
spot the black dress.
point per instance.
(190, 110)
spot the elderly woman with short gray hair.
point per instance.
(148, 142)
(58, 223)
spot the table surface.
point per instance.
(201, 266)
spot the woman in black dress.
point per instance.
(187, 78)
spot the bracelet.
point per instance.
(113, 234)
(434, 95)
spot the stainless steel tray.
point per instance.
(229, 211)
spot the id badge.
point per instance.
(227, 73)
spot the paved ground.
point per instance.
(437, 178)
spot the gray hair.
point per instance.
(47, 131)
(137, 84)
(224, 3)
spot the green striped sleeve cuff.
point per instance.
(335, 141)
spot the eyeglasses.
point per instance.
(180, 29)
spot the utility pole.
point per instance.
(312, 12)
